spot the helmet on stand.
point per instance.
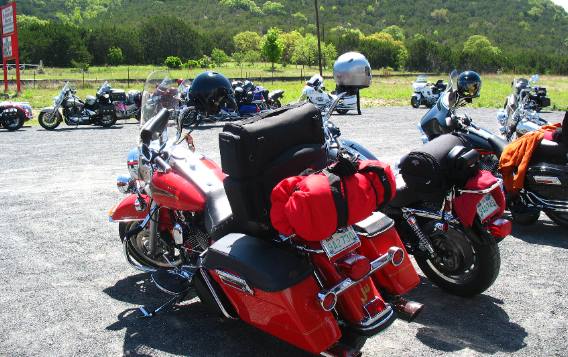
(469, 85)
(211, 90)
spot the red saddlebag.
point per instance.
(378, 234)
(316, 205)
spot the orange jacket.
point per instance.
(515, 159)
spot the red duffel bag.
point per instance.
(316, 205)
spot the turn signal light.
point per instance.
(397, 256)
(354, 266)
(500, 228)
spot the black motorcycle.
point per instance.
(68, 107)
(126, 104)
(462, 258)
(546, 183)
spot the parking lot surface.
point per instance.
(65, 288)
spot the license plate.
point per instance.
(486, 207)
(340, 241)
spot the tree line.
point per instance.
(172, 41)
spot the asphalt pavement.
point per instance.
(65, 288)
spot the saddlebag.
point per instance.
(273, 289)
(316, 205)
(548, 181)
(377, 234)
(431, 168)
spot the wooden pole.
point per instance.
(318, 34)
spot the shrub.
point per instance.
(173, 62)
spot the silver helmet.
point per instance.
(352, 70)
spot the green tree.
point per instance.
(396, 32)
(173, 62)
(440, 15)
(383, 50)
(479, 54)
(289, 41)
(115, 56)
(345, 39)
(247, 41)
(328, 54)
(273, 8)
(219, 57)
(272, 46)
(306, 51)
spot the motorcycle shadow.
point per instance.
(187, 329)
(82, 127)
(543, 232)
(451, 323)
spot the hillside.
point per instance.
(510, 24)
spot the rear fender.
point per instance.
(125, 210)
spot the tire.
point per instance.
(558, 217)
(415, 102)
(353, 340)
(107, 121)
(485, 262)
(16, 124)
(51, 123)
(275, 104)
(342, 111)
(135, 251)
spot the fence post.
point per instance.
(128, 80)
(83, 71)
(34, 79)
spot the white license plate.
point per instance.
(340, 241)
(486, 207)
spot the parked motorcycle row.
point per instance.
(306, 235)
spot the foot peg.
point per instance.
(407, 310)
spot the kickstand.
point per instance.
(148, 313)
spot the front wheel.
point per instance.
(108, 120)
(14, 123)
(462, 265)
(415, 102)
(275, 104)
(560, 218)
(49, 119)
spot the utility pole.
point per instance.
(318, 30)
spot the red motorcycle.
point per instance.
(199, 228)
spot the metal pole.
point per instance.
(319, 42)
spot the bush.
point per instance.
(191, 64)
(205, 62)
(115, 56)
(219, 57)
(173, 62)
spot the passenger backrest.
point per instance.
(259, 153)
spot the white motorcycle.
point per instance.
(315, 93)
(426, 93)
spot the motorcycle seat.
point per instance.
(550, 152)
(262, 264)
(406, 196)
(218, 214)
(497, 144)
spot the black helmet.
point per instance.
(469, 85)
(211, 90)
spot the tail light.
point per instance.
(354, 266)
(396, 256)
(500, 228)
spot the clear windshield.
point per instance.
(104, 88)
(421, 79)
(160, 92)
(59, 98)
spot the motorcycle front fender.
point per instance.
(125, 210)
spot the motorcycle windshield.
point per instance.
(160, 92)
(59, 98)
(105, 88)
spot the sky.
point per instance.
(563, 3)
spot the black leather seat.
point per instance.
(551, 152)
(261, 263)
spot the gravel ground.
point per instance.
(65, 288)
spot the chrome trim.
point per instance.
(234, 281)
(123, 183)
(370, 323)
(485, 191)
(344, 285)
(178, 234)
(215, 296)
(554, 205)
(373, 225)
(444, 216)
(136, 265)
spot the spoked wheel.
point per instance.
(14, 123)
(462, 266)
(560, 218)
(138, 248)
(108, 120)
(49, 119)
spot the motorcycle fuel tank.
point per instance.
(175, 192)
(352, 70)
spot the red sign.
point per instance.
(10, 41)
